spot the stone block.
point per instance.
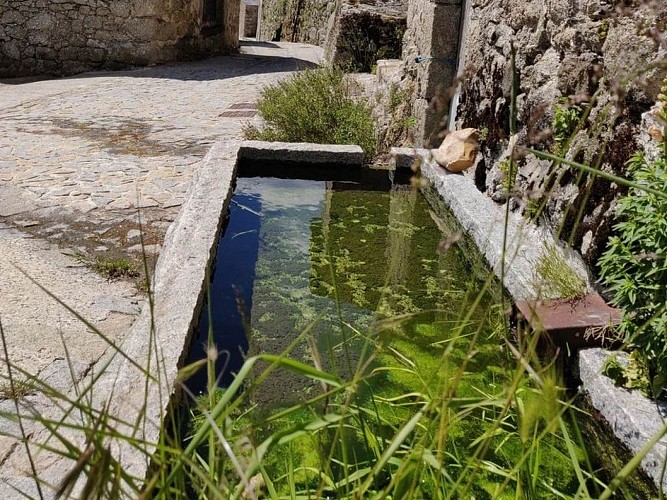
(634, 418)
(406, 158)
(42, 21)
(301, 152)
(458, 150)
(11, 49)
(11, 17)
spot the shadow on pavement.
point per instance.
(213, 68)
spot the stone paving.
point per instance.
(86, 162)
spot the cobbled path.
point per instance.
(79, 156)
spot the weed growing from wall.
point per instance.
(565, 121)
(557, 278)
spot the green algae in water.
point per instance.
(361, 271)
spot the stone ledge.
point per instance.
(634, 419)
(483, 220)
(404, 158)
(301, 152)
(160, 334)
(178, 289)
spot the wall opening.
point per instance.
(210, 13)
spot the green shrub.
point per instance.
(313, 106)
(634, 266)
(565, 121)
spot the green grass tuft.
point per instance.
(557, 278)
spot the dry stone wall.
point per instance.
(353, 34)
(307, 21)
(366, 32)
(62, 37)
(607, 57)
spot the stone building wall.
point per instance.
(595, 53)
(352, 33)
(62, 37)
(307, 21)
(430, 55)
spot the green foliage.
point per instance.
(534, 207)
(557, 278)
(313, 106)
(109, 267)
(603, 30)
(397, 96)
(634, 266)
(509, 170)
(613, 369)
(633, 374)
(565, 121)
(359, 52)
(399, 109)
(113, 268)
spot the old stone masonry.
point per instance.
(69, 36)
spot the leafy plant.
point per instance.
(313, 106)
(631, 374)
(508, 169)
(634, 265)
(565, 121)
(557, 278)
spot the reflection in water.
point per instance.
(274, 274)
(311, 265)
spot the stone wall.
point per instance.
(307, 21)
(589, 53)
(62, 37)
(354, 34)
(430, 54)
(365, 32)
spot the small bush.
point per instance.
(565, 122)
(313, 106)
(109, 267)
(634, 266)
